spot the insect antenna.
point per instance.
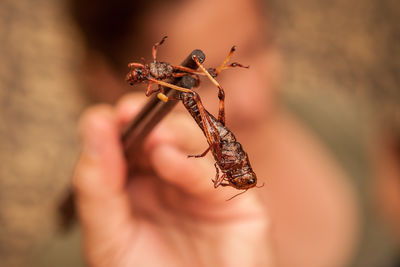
(260, 185)
(237, 194)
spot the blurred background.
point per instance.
(334, 65)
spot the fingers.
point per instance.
(101, 151)
(99, 178)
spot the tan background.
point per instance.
(40, 101)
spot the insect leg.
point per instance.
(219, 179)
(155, 47)
(219, 69)
(187, 70)
(180, 74)
(216, 180)
(134, 64)
(223, 66)
(172, 86)
(234, 65)
(148, 90)
(209, 128)
(221, 93)
(201, 155)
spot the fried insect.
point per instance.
(230, 158)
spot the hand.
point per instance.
(170, 216)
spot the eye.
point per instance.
(251, 181)
(139, 71)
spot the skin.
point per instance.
(312, 217)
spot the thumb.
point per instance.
(100, 177)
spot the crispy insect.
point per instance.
(229, 155)
(157, 72)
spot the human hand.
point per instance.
(169, 216)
